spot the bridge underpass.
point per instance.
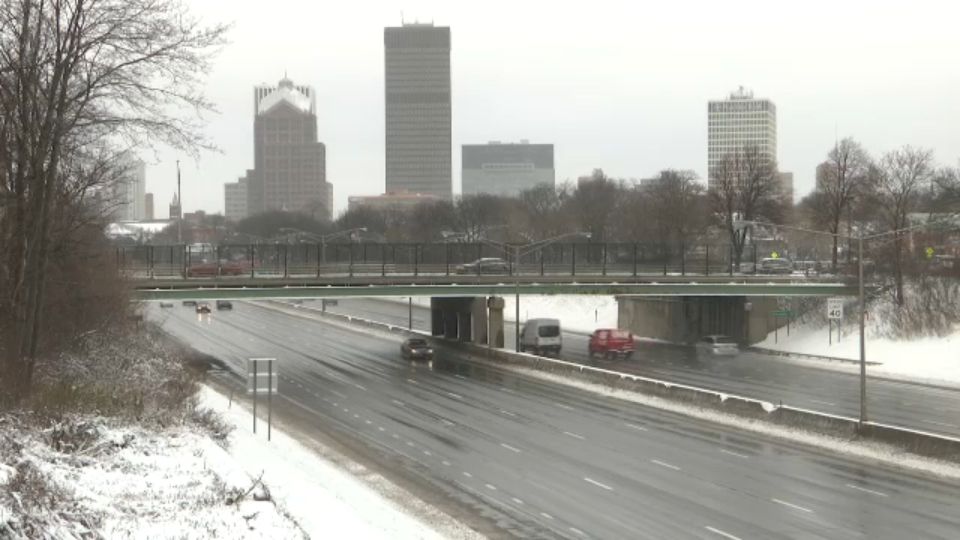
(474, 312)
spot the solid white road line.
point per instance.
(574, 435)
(865, 490)
(508, 447)
(735, 454)
(723, 534)
(794, 506)
(598, 484)
(665, 464)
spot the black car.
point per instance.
(166, 304)
(190, 303)
(416, 349)
(224, 304)
(487, 265)
(203, 308)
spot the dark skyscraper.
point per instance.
(289, 163)
(417, 96)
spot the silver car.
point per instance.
(717, 345)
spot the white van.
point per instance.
(541, 336)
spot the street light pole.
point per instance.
(516, 292)
(863, 341)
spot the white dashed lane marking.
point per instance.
(598, 484)
(574, 435)
(865, 490)
(546, 515)
(468, 475)
(722, 533)
(577, 531)
(491, 487)
(562, 406)
(636, 427)
(791, 505)
(508, 447)
(516, 500)
(664, 464)
(734, 454)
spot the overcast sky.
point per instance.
(620, 85)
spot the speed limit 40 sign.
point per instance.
(835, 308)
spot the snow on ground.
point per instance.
(579, 313)
(126, 481)
(326, 500)
(928, 360)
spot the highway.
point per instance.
(532, 459)
(753, 375)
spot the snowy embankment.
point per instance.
(325, 499)
(933, 360)
(94, 477)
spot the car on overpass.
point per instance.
(416, 349)
(203, 308)
(772, 265)
(486, 265)
(611, 343)
(214, 269)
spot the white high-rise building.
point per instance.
(130, 194)
(737, 122)
(235, 198)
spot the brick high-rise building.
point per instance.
(418, 109)
(289, 163)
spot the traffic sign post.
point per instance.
(834, 313)
(262, 378)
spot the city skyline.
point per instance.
(612, 104)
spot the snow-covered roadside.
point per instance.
(327, 500)
(579, 313)
(92, 477)
(926, 360)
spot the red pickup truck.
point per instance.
(610, 343)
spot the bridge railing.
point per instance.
(413, 259)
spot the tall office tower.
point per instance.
(235, 198)
(148, 211)
(290, 170)
(418, 110)
(175, 210)
(506, 169)
(738, 122)
(129, 195)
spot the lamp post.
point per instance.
(518, 251)
(331, 236)
(860, 290)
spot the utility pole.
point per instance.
(863, 341)
(516, 292)
(179, 207)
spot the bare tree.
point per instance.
(744, 188)
(75, 74)
(594, 204)
(678, 206)
(899, 177)
(839, 181)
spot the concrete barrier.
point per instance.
(915, 441)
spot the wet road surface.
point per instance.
(538, 459)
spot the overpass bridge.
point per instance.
(468, 305)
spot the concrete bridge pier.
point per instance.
(459, 318)
(685, 319)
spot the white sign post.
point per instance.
(834, 313)
(262, 378)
